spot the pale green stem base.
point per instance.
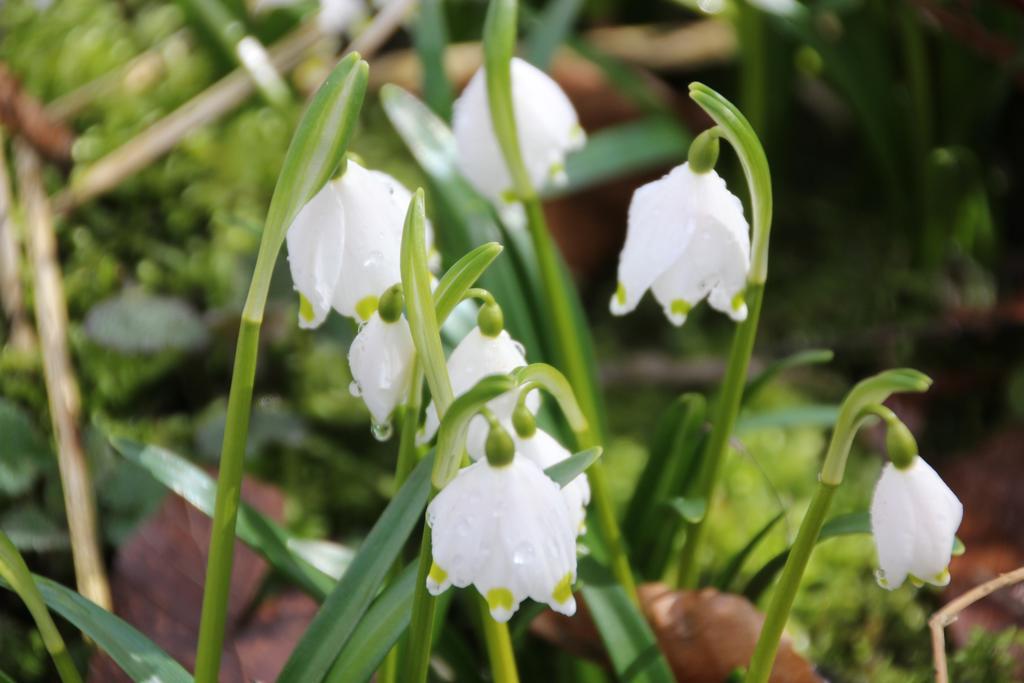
(726, 410)
(229, 483)
(785, 591)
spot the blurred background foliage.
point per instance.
(893, 132)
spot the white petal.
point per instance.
(547, 125)
(544, 451)
(507, 531)
(375, 206)
(665, 217)
(476, 357)
(939, 513)
(893, 527)
(381, 358)
(316, 240)
(340, 16)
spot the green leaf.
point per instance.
(431, 37)
(468, 218)
(624, 149)
(690, 509)
(260, 533)
(30, 529)
(344, 608)
(732, 568)
(784, 418)
(377, 631)
(626, 634)
(461, 276)
(549, 31)
(136, 654)
(798, 359)
(564, 472)
(14, 574)
(136, 322)
(840, 525)
(23, 451)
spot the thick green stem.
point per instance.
(726, 409)
(417, 657)
(229, 482)
(785, 592)
(499, 646)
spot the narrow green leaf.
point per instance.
(549, 31)
(732, 568)
(4, 678)
(564, 472)
(461, 276)
(783, 418)
(690, 509)
(431, 37)
(136, 654)
(133, 321)
(14, 574)
(377, 632)
(798, 359)
(624, 149)
(257, 531)
(626, 634)
(340, 614)
(840, 525)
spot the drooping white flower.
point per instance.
(476, 357)
(344, 245)
(337, 17)
(687, 239)
(546, 122)
(544, 451)
(506, 530)
(914, 518)
(381, 361)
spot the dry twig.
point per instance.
(20, 335)
(948, 614)
(61, 385)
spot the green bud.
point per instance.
(490, 319)
(524, 421)
(391, 303)
(704, 151)
(499, 446)
(900, 443)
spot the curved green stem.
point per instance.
(860, 405)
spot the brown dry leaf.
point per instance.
(24, 115)
(157, 587)
(704, 634)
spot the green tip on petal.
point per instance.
(738, 301)
(563, 589)
(680, 307)
(366, 307)
(509, 196)
(437, 575)
(499, 599)
(306, 309)
(958, 547)
(620, 294)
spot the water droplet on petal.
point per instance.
(520, 348)
(373, 259)
(381, 431)
(463, 526)
(523, 554)
(354, 389)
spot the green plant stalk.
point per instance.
(726, 410)
(417, 656)
(786, 589)
(314, 153)
(499, 46)
(499, 646)
(14, 571)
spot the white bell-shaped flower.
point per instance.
(687, 239)
(914, 518)
(337, 17)
(543, 450)
(477, 356)
(381, 362)
(546, 122)
(344, 245)
(506, 530)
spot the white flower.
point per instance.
(381, 360)
(476, 357)
(914, 518)
(546, 122)
(345, 243)
(337, 17)
(687, 239)
(507, 531)
(544, 451)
